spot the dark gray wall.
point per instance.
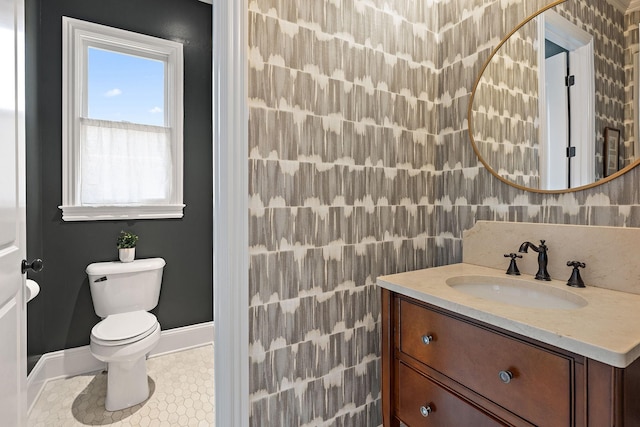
(62, 315)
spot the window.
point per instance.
(122, 124)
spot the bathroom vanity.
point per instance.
(441, 368)
(452, 358)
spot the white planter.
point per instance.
(127, 255)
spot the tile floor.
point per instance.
(181, 387)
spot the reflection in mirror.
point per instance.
(539, 111)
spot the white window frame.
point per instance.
(77, 37)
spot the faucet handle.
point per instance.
(576, 264)
(575, 280)
(513, 268)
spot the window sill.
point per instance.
(111, 213)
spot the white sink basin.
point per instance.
(517, 292)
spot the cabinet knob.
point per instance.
(426, 339)
(425, 410)
(505, 376)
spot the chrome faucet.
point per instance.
(543, 260)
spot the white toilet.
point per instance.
(122, 294)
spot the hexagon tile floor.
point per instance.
(181, 387)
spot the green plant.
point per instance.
(126, 240)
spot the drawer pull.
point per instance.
(505, 376)
(426, 339)
(425, 410)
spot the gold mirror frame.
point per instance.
(470, 123)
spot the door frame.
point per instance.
(579, 43)
(636, 101)
(230, 212)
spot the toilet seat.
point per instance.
(124, 328)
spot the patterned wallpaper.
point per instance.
(360, 165)
(631, 23)
(506, 109)
(343, 112)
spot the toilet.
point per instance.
(122, 295)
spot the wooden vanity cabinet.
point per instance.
(442, 369)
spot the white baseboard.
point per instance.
(179, 339)
(77, 361)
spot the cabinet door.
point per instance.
(421, 402)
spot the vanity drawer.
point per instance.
(416, 393)
(540, 389)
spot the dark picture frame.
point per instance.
(611, 150)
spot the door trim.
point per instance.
(230, 212)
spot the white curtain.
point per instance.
(124, 163)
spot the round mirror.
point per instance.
(554, 108)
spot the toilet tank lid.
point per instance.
(117, 267)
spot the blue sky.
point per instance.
(125, 88)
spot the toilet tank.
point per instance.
(120, 287)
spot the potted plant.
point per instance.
(127, 246)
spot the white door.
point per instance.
(12, 216)
(581, 96)
(555, 158)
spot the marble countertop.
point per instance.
(607, 329)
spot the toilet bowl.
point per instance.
(123, 341)
(122, 293)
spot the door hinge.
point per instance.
(571, 152)
(570, 81)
